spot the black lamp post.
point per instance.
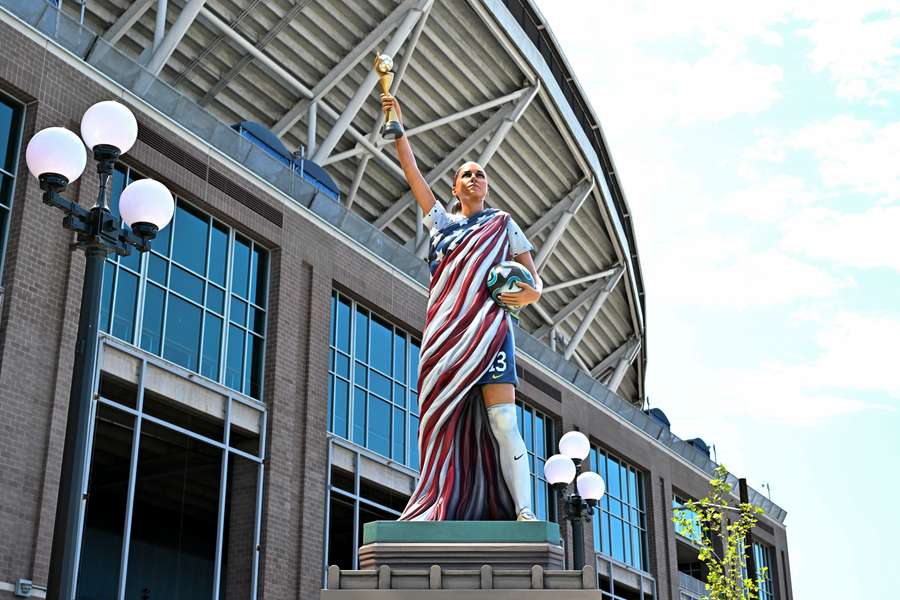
(560, 471)
(57, 157)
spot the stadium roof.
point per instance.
(479, 80)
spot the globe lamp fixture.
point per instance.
(561, 470)
(57, 157)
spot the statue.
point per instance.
(474, 461)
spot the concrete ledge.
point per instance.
(467, 532)
(499, 555)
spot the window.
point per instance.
(198, 298)
(372, 382)
(765, 565)
(692, 532)
(174, 500)
(538, 432)
(620, 523)
(10, 140)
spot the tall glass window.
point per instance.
(372, 382)
(765, 566)
(198, 298)
(538, 432)
(692, 531)
(620, 520)
(10, 140)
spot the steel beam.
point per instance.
(343, 67)
(552, 216)
(570, 308)
(246, 59)
(288, 79)
(311, 114)
(615, 357)
(365, 89)
(500, 134)
(397, 208)
(573, 202)
(615, 380)
(159, 28)
(433, 124)
(578, 280)
(592, 312)
(119, 28)
(161, 55)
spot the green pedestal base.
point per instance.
(461, 544)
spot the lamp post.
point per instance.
(57, 157)
(560, 470)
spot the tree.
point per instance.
(722, 520)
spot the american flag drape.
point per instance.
(464, 330)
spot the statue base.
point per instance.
(461, 545)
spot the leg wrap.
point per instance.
(513, 455)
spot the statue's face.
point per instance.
(471, 184)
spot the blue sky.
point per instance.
(759, 147)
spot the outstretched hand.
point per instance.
(525, 296)
(388, 102)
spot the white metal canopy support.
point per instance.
(433, 124)
(289, 79)
(246, 59)
(449, 161)
(121, 26)
(505, 127)
(615, 380)
(161, 55)
(611, 361)
(552, 216)
(343, 67)
(395, 85)
(573, 202)
(159, 28)
(592, 312)
(578, 280)
(365, 89)
(571, 307)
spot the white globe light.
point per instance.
(146, 201)
(109, 123)
(559, 469)
(575, 445)
(56, 150)
(590, 486)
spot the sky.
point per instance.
(758, 144)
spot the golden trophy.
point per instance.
(391, 129)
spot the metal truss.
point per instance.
(161, 54)
(365, 88)
(618, 362)
(245, 60)
(593, 292)
(596, 305)
(494, 125)
(563, 212)
(346, 64)
(120, 27)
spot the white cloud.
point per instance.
(771, 200)
(725, 272)
(858, 45)
(854, 153)
(863, 240)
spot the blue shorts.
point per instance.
(503, 369)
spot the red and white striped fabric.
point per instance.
(464, 329)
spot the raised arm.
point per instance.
(417, 184)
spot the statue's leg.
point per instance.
(499, 399)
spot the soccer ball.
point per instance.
(504, 277)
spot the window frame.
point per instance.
(19, 111)
(600, 512)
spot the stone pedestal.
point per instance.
(461, 545)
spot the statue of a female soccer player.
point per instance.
(474, 461)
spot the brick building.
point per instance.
(256, 400)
